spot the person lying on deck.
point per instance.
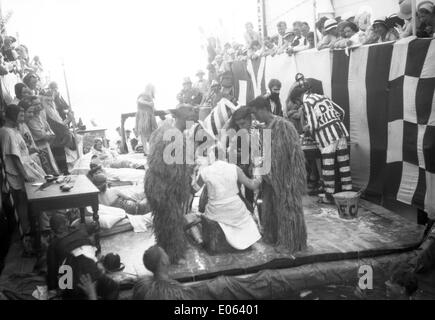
(227, 224)
(110, 158)
(113, 197)
(160, 286)
(76, 249)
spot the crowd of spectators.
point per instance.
(36, 134)
(330, 33)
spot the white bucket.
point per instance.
(347, 204)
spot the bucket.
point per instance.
(347, 204)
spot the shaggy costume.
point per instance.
(283, 189)
(167, 188)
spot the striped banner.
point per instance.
(387, 91)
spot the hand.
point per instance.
(307, 128)
(88, 286)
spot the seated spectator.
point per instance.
(385, 32)
(330, 34)
(189, 94)
(251, 35)
(160, 286)
(43, 136)
(426, 15)
(19, 168)
(351, 35)
(112, 197)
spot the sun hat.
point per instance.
(330, 24)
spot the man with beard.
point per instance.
(273, 97)
(168, 185)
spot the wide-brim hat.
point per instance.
(427, 5)
(112, 263)
(405, 9)
(382, 20)
(330, 24)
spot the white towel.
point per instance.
(140, 223)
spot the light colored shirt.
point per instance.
(12, 145)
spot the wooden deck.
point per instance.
(376, 232)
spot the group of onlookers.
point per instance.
(331, 33)
(36, 137)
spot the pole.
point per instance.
(315, 20)
(66, 84)
(414, 17)
(73, 120)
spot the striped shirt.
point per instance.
(324, 119)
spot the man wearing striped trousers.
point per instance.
(324, 123)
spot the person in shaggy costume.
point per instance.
(168, 185)
(284, 185)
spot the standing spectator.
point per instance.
(384, 31)
(405, 13)
(427, 17)
(21, 91)
(26, 104)
(282, 37)
(189, 94)
(31, 80)
(146, 122)
(255, 50)
(19, 167)
(251, 35)
(310, 39)
(320, 25)
(61, 105)
(43, 136)
(300, 42)
(351, 36)
(273, 97)
(269, 47)
(330, 34)
(201, 84)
